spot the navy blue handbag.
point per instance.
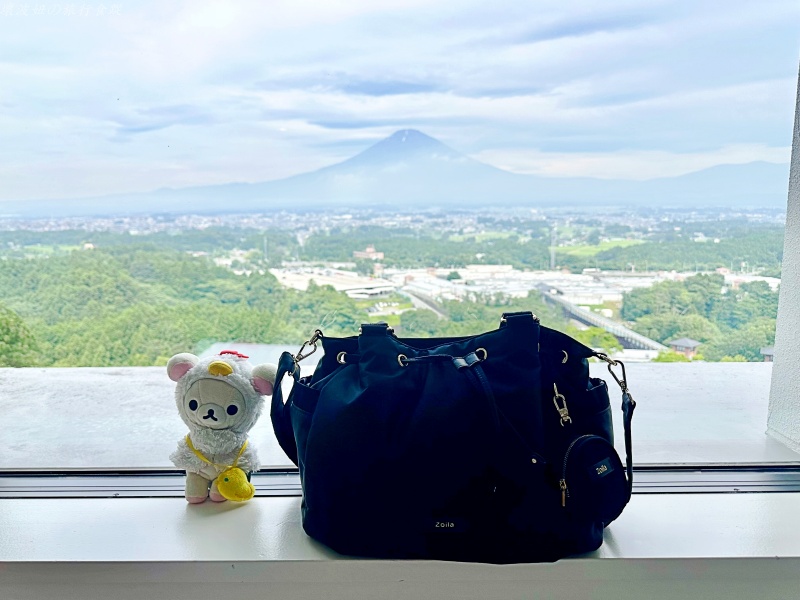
(496, 447)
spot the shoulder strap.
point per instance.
(628, 406)
(279, 412)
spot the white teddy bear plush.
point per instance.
(220, 399)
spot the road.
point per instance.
(422, 302)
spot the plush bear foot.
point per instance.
(214, 493)
(196, 488)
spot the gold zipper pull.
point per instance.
(562, 483)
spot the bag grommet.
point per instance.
(340, 358)
(485, 354)
(402, 360)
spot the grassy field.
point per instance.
(40, 250)
(587, 251)
(391, 320)
(484, 236)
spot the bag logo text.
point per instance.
(600, 469)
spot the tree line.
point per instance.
(733, 323)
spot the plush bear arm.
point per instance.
(249, 460)
(264, 378)
(185, 459)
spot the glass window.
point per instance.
(209, 176)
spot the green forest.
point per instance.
(138, 306)
(732, 324)
(78, 298)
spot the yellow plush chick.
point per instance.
(233, 485)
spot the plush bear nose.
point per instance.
(210, 415)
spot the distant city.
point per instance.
(446, 221)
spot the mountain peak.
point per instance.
(414, 140)
(410, 135)
(404, 145)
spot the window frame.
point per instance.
(157, 483)
(664, 478)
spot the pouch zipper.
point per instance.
(562, 483)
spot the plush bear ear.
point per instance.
(180, 364)
(264, 378)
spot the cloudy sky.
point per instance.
(99, 97)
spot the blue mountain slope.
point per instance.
(754, 184)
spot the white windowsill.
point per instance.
(689, 413)
(707, 545)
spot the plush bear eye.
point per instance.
(232, 409)
(192, 404)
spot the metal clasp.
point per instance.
(312, 341)
(622, 382)
(562, 410)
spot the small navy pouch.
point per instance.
(593, 482)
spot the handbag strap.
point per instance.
(279, 412)
(628, 406)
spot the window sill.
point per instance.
(689, 414)
(665, 545)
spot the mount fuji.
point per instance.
(410, 170)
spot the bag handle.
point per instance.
(509, 319)
(513, 317)
(279, 412)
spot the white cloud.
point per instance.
(250, 91)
